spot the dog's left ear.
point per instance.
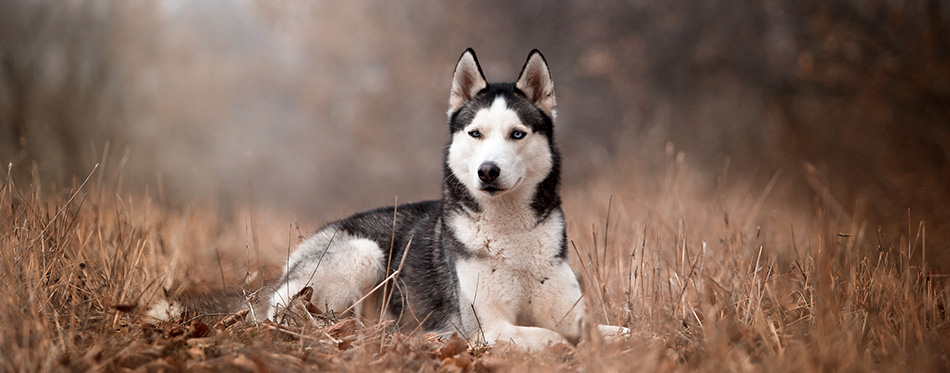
(536, 83)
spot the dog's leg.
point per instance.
(557, 305)
(340, 271)
(491, 301)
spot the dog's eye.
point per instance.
(475, 133)
(518, 134)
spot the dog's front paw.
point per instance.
(530, 338)
(612, 332)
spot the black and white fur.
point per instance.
(489, 259)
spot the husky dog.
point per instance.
(488, 260)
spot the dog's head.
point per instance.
(502, 133)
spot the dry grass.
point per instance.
(725, 277)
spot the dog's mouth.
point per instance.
(492, 190)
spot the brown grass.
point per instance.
(712, 276)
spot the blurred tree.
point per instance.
(275, 91)
(60, 89)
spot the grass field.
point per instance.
(710, 274)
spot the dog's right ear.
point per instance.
(467, 81)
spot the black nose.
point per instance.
(488, 172)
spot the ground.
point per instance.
(725, 275)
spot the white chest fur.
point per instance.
(514, 241)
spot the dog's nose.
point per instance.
(488, 172)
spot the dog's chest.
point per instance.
(517, 244)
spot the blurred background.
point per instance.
(326, 107)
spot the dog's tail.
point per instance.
(210, 306)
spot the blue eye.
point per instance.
(475, 134)
(518, 134)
